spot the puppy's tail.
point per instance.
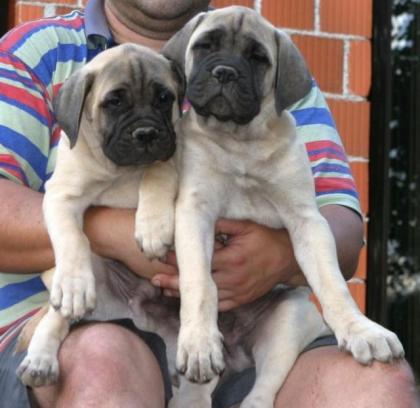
(28, 330)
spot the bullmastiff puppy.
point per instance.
(117, 115)
(242, 159)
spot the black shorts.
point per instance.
(230, 391)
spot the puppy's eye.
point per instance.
(113, 102)
(202, 45)
(260, 58)
(164, 99)
(114, 99)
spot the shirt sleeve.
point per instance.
(26, 123)
(334, 183)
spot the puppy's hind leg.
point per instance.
(40, 366)
(281, 336)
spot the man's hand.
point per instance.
(256, 258)
(253, 260)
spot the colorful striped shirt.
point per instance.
(35, 59)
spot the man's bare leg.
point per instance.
(104, 365)
(327, 378)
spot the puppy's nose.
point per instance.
(145, 134)
(224, 74)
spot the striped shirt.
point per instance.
(35, 59)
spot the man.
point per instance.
(106, 364)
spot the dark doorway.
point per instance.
(393, 286)
(403, 294)
(6, 15)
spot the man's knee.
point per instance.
(106, 351)
(395, 383)
(326, 377)
(104, 359)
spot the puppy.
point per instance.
(242, 159)
(117, 114)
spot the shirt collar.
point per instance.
(96, 26)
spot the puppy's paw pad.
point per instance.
(200, 358)
(368, 341)
(38, 370)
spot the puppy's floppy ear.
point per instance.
(176, 47)
(293, 79)
(179, 76)
(68, 104)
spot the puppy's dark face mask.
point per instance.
(237, 65)
(124, 103)
(227, 77)
(136, 123)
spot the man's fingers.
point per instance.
(225, 280)
(226, 305)
(164, 268)
(171, 259)
(164, 281)
(171, 293)
(223, 258)
(230, 227)
(224, 295)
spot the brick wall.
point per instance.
(335, 38)
(29, 10)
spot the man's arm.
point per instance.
(25, 246)
(347, 228)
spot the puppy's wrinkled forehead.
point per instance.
(235, 30)
(137, 68)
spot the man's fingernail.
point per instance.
(156, 282)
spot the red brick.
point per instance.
(361, 271)
(360, 172)
(290, 13)
(226, 3)
(66, 2)
(63, 10)
(360, 67)
(325, 60)
(26, 12)
(347, 16)
(357, 290)
(353, 123)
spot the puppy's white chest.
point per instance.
(123, 192)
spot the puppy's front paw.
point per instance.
(38, 369)
(200, 353)
(367, 341)
(73, 292)
(155, 232)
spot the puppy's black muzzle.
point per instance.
(225, 86)
(140, 143)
